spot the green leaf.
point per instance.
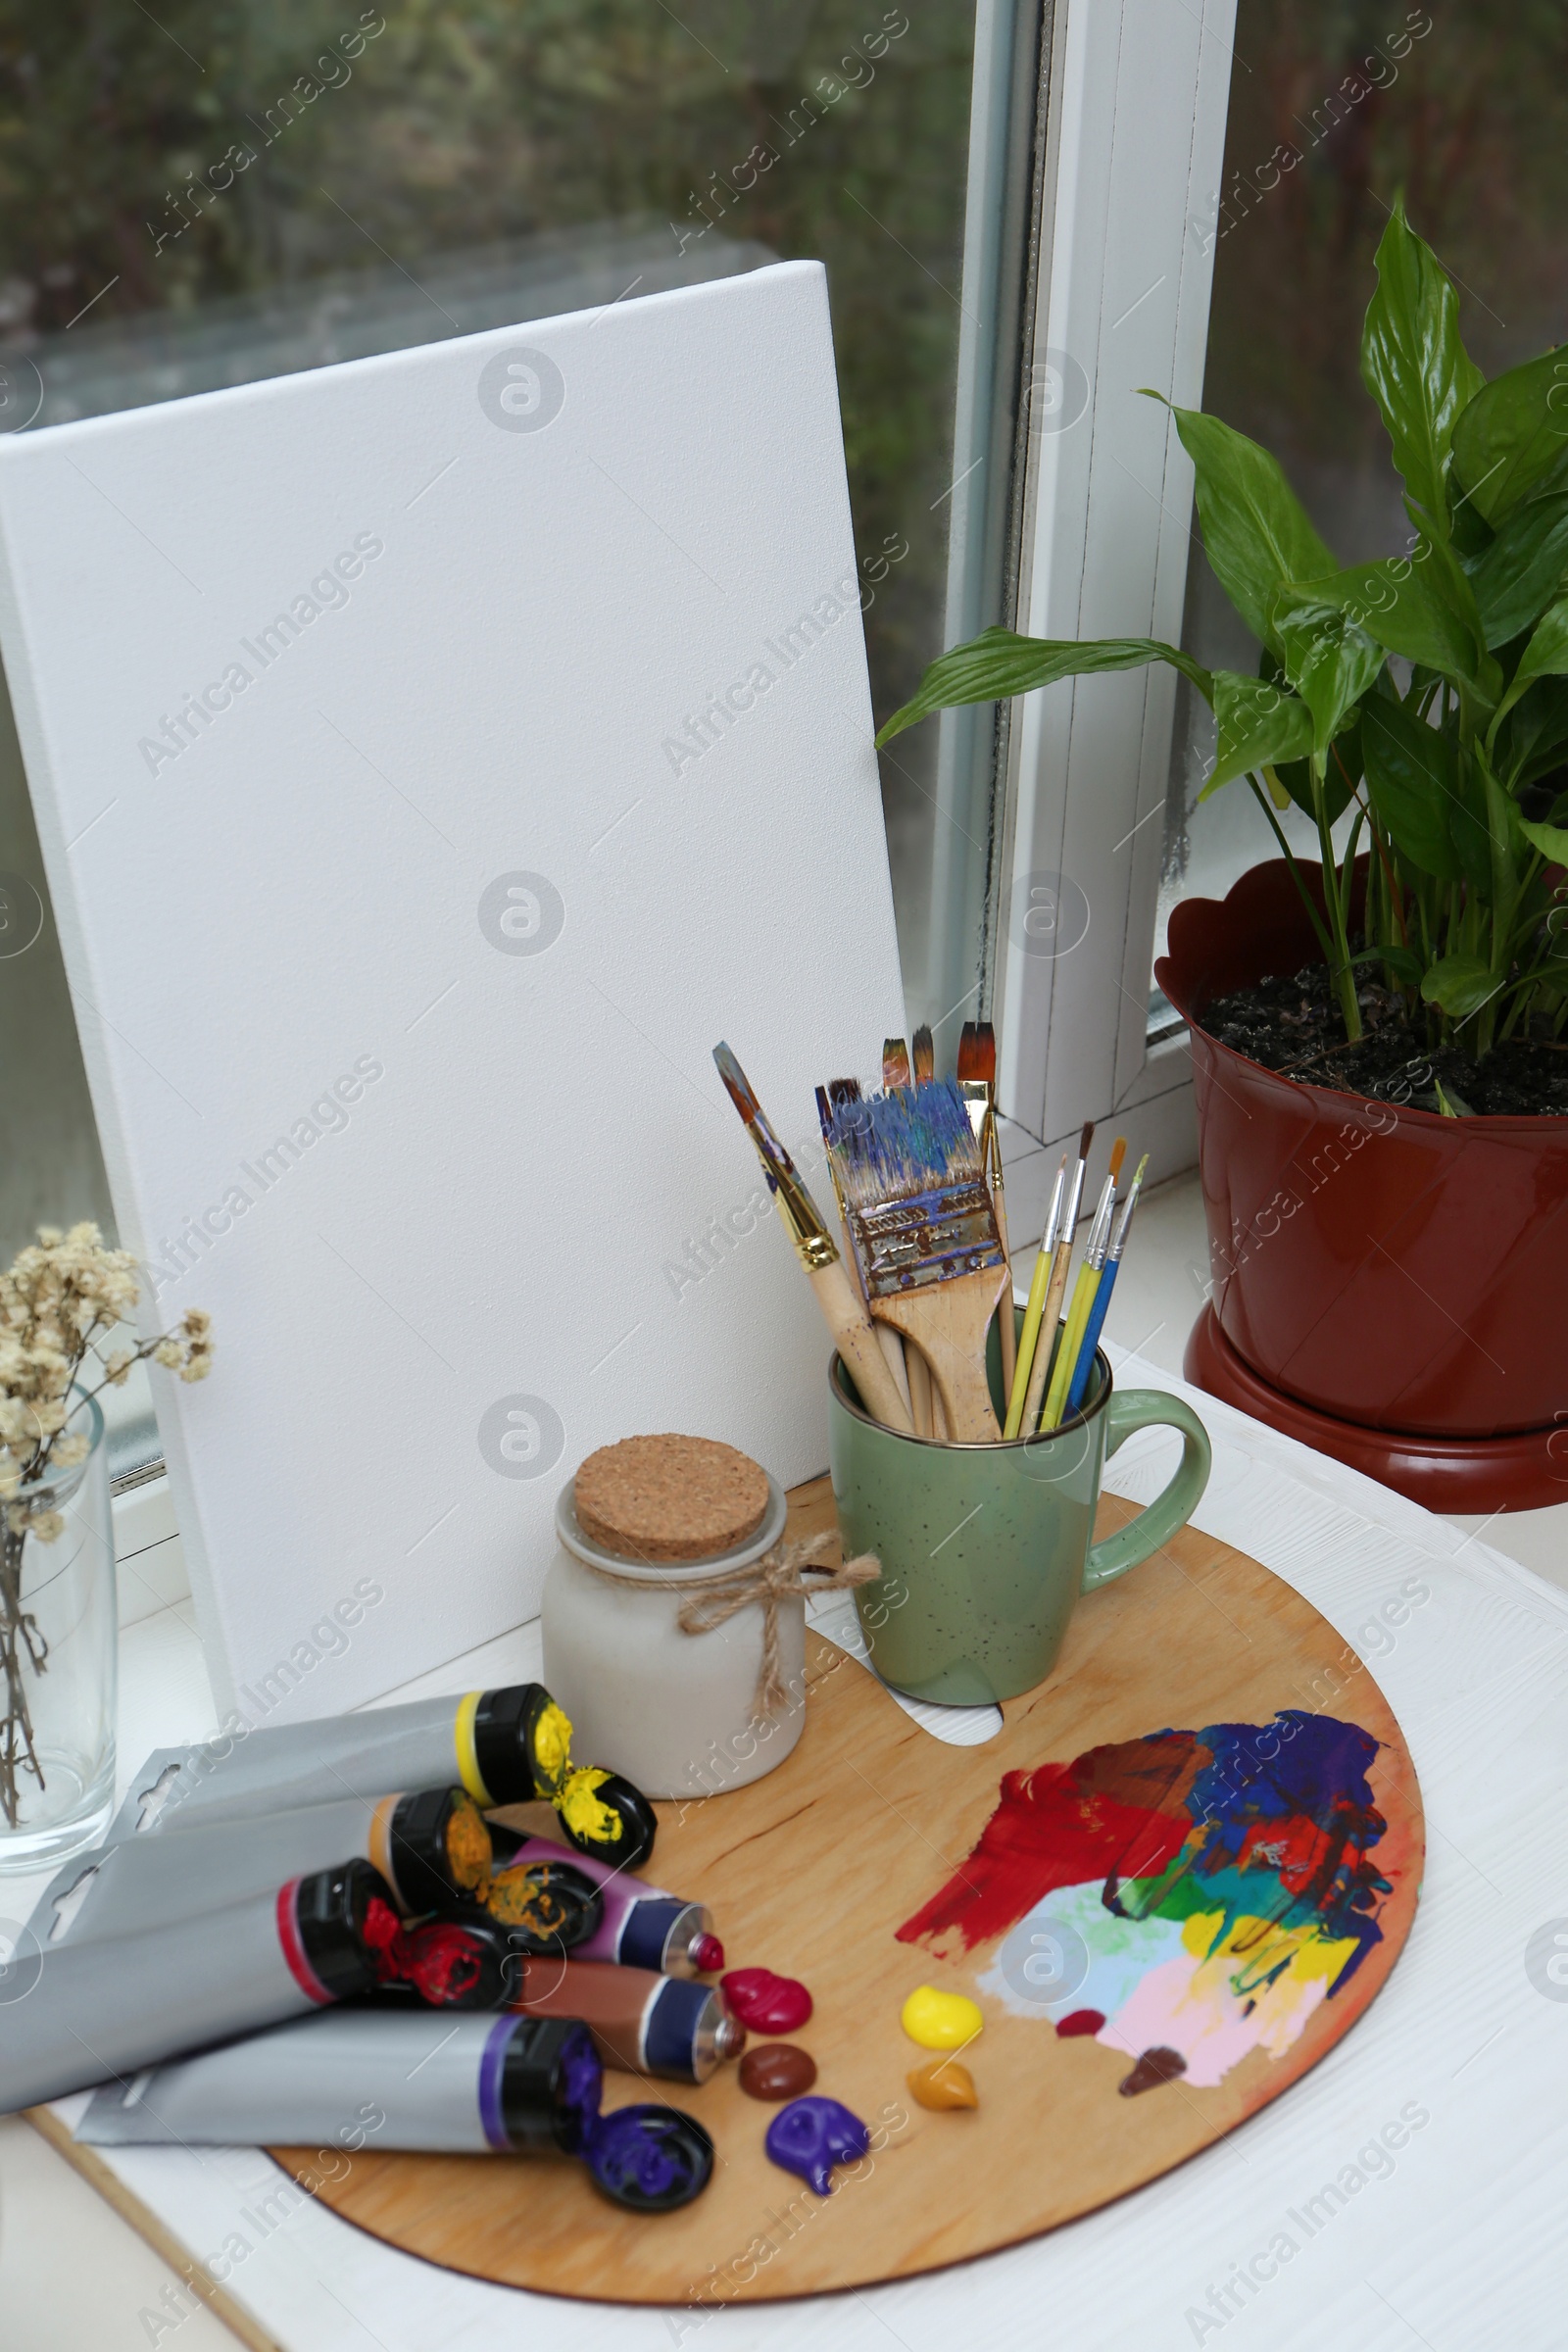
(1546, 654)
(1412, 782)
(1537, 728)
(1404, 962)
(1512, 440)
(1329, 660)
(1258, 726)
(998, 663)
(1401, 602)
(1550, 840)
(1459, 985)
(1257, 535)
(1523, 570)
(1414, 363)
(1450, 1104)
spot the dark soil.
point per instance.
(1294, 1026)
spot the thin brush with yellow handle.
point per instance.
(1056, 1290)
(1083, 1299)
(1034, 1312)
(977, 1084)
(842, 1310)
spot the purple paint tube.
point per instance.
(382, 2080)
(643, 1926)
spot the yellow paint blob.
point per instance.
(943, 2084)
(940, 2021)
(581, 1808)
(551, 1747)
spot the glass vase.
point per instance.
(59, 1653)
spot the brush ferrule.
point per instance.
(802, 1218)
(923, 1238)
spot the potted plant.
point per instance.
(1376, 1035)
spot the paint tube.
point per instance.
(504, 1746)
(432, 1847)
(641, 1927)
(641, 2023)
(99, 2009)
(385, 2078)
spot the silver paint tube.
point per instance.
(95, 2010)
(378, 2077)
(431, 1847)
(372, 2080)
(506, 1746)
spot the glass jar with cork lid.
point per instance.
(675, 1615)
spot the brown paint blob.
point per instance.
(943, 2083)
(776, 2070)
(1154, 2068)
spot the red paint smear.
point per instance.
(1082, 2021)
(1116, 1810)
(441, 1962)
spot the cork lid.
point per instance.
(669, 1497)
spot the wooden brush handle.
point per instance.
(1005, 1321)
(846, 1318)
(919, 1387)
(948, 1321)
(891, 1347)
(1040, 1369)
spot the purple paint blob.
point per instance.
(650, 2158)
(810, 2136)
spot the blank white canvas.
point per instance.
(398, 957)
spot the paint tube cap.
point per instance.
(689, 2031)
(506, 1744)
(606, 1818)
(440, 1847)
(330, 1909)
(649, 2159)
(550, 2079)
(544, 1906)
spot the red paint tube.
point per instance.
(100, 2009)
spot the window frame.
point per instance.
(1134, 150)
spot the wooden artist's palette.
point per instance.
(810, 1871)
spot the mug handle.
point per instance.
(1157, 1521)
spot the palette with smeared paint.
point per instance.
(1197, 1636)
(1202, 1892)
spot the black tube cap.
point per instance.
(618, 1827)
(329, 1914)
(428, 1860)
(550, 2077)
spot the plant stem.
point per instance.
(1296, 876)
(19, 1632)
(1334, 899)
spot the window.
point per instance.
(216, 193)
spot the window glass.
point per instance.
(206, 194)
(1334, 108)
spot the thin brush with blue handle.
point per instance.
(1101, 1299)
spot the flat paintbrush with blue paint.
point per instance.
(925, 1235)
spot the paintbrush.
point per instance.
(1107, 1283)
(922, 1056)
(1083, 1299)
(801, 1219)
(896, 1073)
(1034, 1312)
(1055, 1289)
(924, 1236)
(830, 1098)
(977, 1084)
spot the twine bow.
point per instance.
(777, 1576)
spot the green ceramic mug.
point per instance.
(985, 1549)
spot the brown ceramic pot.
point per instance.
(1390, 1285)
